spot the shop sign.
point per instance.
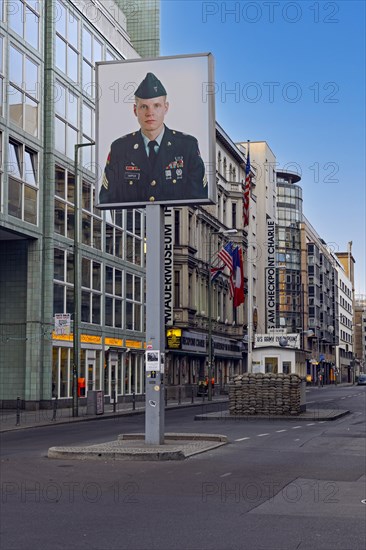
(117, 342)
(90, 339)
(224, 346)
(174, 338)
(133, 344)
(168, 265)
(270, 271)
(194, 341)
(274, 339)
(65, 337)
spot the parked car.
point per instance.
(361, 380)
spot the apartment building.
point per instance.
(199, 234)
(322, 307)
(345, 349)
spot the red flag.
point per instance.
(238, 277)
(246, 191)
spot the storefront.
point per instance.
(186, 358)
(114, 366)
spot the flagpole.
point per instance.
(249, 265)
(209, 307)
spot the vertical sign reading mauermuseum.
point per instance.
(168, 266)
(271, 276)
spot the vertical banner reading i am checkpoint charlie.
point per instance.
(155, 132)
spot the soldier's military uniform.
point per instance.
(178, 172)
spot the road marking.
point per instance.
(225, 475)
(308, 402)
(296, 427)
(242, 438)
(261, 435)
(279, 431)
(296, 439)
(322, 422)
(312, 424)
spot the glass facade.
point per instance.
(48, 106)
(290, 297)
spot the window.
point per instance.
(23, 91)
(233, 215)
(67, 42)
(63, 289)
(113, 233)
(22, 182)
(91, 284)
(66, 124)
(177, 302)
(24, 20)
(64, 202)
(177, 227)
(133, 286)
(133, 242)
(91, 221)
(92, 52)
(113, 297)
(88, 119)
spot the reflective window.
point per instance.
(23, 91)
(66, 124)
(22, 182)
(67, 41)
(23, 18)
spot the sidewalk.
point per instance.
(10, 420)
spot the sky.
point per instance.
(291, 74)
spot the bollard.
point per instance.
(166, 396)
(54, 412)
(133, 401)
(179, 395)
(18, 411)
(114, 400)
(192, 395)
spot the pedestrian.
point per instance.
(154, 163)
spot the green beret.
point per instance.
(150, 87)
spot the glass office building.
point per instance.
(48, 52)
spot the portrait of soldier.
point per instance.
(153, 163)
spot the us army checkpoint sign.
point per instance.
(177, 103)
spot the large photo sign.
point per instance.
(155, 128)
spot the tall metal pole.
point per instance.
(209, 311)
(155, 325)
(77, 308)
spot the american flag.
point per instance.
(246, 191)
(226, 255)
(216, 270)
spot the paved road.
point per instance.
(278, 485)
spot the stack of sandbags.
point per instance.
(265, 394)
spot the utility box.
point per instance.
(95, 402)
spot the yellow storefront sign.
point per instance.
(117, 342)
(133, 344)
(84, 338)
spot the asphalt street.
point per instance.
(277, 485)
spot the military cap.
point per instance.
(150, 87)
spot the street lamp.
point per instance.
(77, 310)
(210, 347)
